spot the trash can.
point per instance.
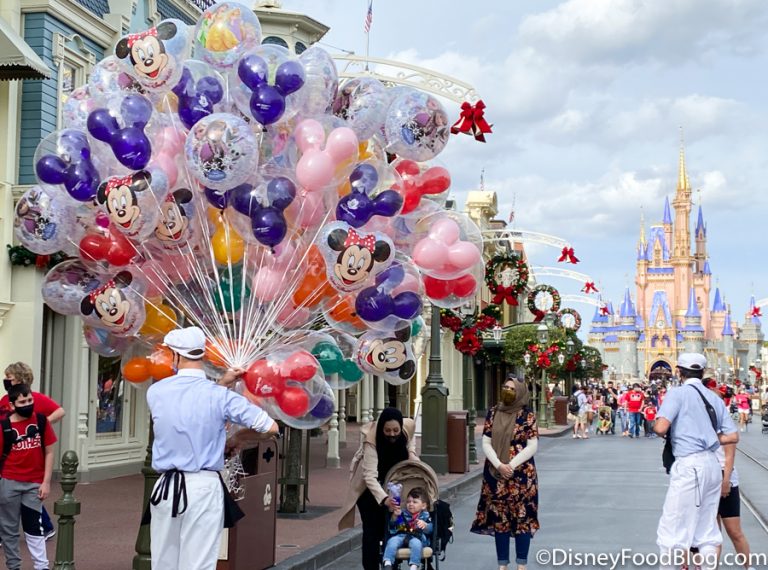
(458, 446)
(250, 545)
(561, 410)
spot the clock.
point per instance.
(660, 324)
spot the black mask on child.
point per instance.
(25, 411)
(7, 384)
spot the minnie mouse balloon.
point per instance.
(133, 202)
(114, 305)
(155, 57)
(221, 151)
(352, 257)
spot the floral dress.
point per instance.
(512, 505)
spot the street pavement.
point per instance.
(599, 495)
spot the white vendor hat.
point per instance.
(188, 342)
(692, 361)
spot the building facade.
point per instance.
(674, 309)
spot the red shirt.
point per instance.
(650, 413)
(742, 401)
(43, 405)
(635, 401)
(26, 462)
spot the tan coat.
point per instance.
(365, 470)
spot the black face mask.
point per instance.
(25, 411)
(7, 384)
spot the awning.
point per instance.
(17, 59)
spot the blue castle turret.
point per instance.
(693, 332)
(718, 306)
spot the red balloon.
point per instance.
(262, 380)
(94, 247)
(121, 250)
(293, 401)
(300, 366)
(414, 184)
(464, 286)
(436, 288)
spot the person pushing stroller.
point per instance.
(410, 527)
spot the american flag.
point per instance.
(369, 17)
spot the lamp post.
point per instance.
(542, 334)
(570, 350)
(758, 371)
(434, 398)
(468, 309)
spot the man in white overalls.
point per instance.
(699, 424)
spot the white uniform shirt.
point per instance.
(189, 413)
(721, 458)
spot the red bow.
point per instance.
(568, 256)
(133, 38)
(368, 242)
(96, 292)
(756, 312)
(604, 311)
(113, 183)
(589, 286)
(504, 294)
(471, 121)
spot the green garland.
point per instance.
(499, 292)
(20, 256)
(539, 289)
(576, 316)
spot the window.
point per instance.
(275, 40)
(109, 392)
(74, 63)
(300, 48)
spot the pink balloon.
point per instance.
(283, 256)
(463, 255)
(166, 163)
(291, 317)
(309, 134)
(430, 254)
(342, 144)
(269, 284)
(315, 170)
(446, 231)
(317, 167)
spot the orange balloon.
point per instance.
(213, 354)
(314, 287)
(343, 311)
(227, 245)
(160, 320)
(136, 370)
(160, 363)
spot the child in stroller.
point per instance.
(413, 527)
(604, 420)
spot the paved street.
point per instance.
(600, 495)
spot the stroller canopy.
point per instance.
(412, 473)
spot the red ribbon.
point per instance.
(538, 315)
(96, 292)
(133, 38)
(567, 255)
(756, 312)
(368, 242)
(113, 183)
(504, 294)
(589, 287)
(604, 311)
(471, 121)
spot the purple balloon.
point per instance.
(374, 305)
(269, 226)
(364, 178)
(281, 192)
(245, 199)
(130, 145)
(217, 199)
(72, 168)
(289, 77)
(267, 103)
(323, 408)
(196, 100)
(407, 305)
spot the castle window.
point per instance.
(300, 48)
(274, 40)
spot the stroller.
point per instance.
(412, 474)
(604, 423)
(764, 418)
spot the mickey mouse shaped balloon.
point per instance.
(129, 143)
(264, 206)
(351, 258)
(155, 57)
(387, 355)
(270, 80)
(199, 89)
(363, 202)
(393, 299)
(114, 305)
(65, 158)
(318, 166)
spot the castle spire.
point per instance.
(693, 306)
(701, 228)
(627, 309)
(682, 174)
(751, 314)
(718, 306)
(667, 212)
(727, 328)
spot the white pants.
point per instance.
(189, 541)
(689, 517)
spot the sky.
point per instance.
(587, 98)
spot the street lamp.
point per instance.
(468, 310)
(570, 349)
(527, 358)
(542, 334)
(434, 401)
(497, 332)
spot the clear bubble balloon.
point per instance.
(416, 126)
(224, 32)
(65, 285)
(322, 81)
(388, 355)
(45, 220)
(102, 342)
(362, 104)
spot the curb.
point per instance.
(321, 555)
(562, 432)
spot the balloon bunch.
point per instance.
(204, 178)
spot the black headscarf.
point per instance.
(389, 452)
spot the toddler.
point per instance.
(410, 527)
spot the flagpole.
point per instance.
(368, 22)
(367, 48)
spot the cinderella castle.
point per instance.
(675, 309)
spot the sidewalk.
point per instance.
(105, 531)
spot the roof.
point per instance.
(98, 7)
(667, 211)
(693, 306)
(627, 308)
(700, 226)
(17, 59)
(657, 235)
(707, 269)
(727, 328)
(718, 306)
(755, 320)
(660, 304)
(168, 9)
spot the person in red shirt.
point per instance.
(25, 478)
(649, 414)
(635, 399)
(21, 373)
(742, 404)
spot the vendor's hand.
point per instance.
(505, 470)
(230, 377)
(725, 490)
(421, 524)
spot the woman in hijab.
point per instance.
(384, 443)
(509, 497)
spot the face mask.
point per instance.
(7, 384)
(508, 396)
(392, 438)
(25, 411)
